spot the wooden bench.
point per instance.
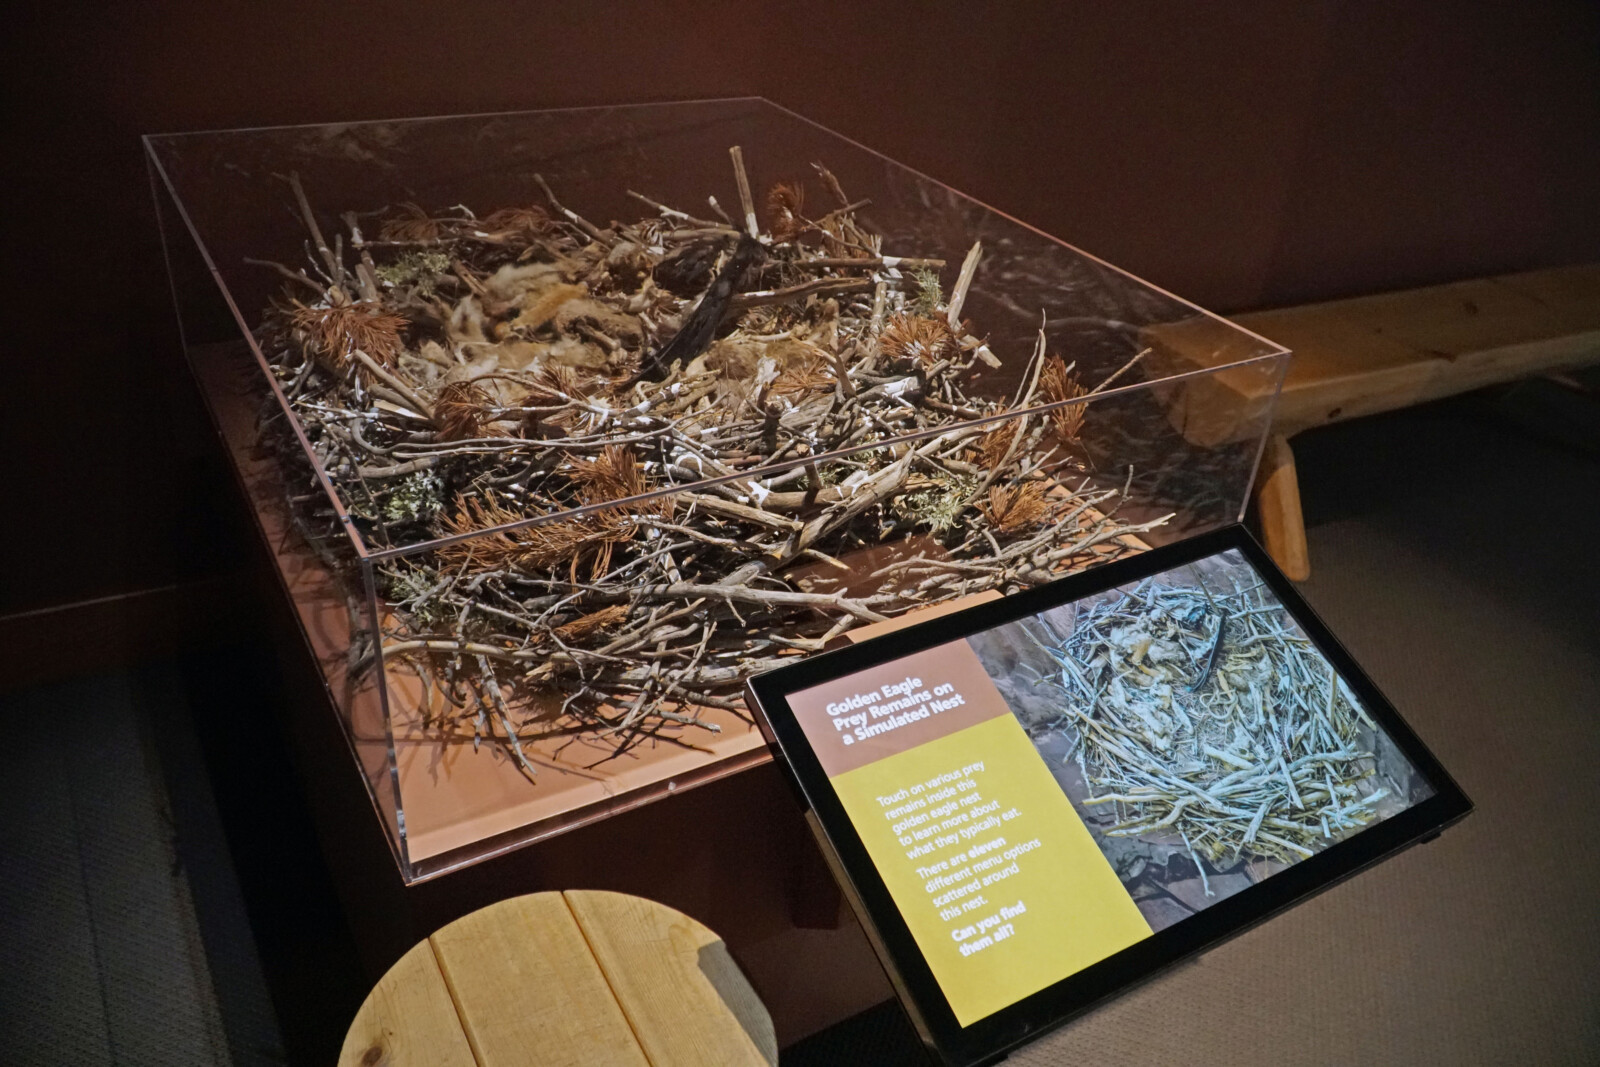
(1378, 353)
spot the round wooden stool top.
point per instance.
(584, 977)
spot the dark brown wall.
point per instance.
(1240, 154)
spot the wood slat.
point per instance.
(528, 990)
(1377, 353)
(1231, 403)
(408, 1020)
(686, 1001)
(1283, 526)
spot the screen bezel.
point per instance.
(1025, 1019)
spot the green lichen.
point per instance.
(411, 590)
(939, 507)
(930, 297)
(418, 270)
(417, 497)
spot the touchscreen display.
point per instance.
(1044, 794)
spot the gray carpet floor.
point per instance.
(102, 955)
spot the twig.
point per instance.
(1119, 372)
(412, 396)
(867, 263)
(746, 202)
(572, 216)
(298, 277)
(335, 268)
(768, 297)
(958, 292)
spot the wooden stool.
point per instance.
(584, 977)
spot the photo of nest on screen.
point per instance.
(1197, 731)
(612, 469)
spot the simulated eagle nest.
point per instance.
(1207, 715)
(647, 459)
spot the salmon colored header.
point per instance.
(873, 714)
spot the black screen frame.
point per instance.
(989, 1038)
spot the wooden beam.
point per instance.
(1283, 527)
(1372, 354)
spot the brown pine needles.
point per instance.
(784, 203)
(1057, 383)
(460, 410)
(537, 549)
(413, 226)
(1010, 510)
(332, 334)
(926, 340)
(613, 475)
(994, 446)
(517, 224)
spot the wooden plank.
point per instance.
(1486, 313)
(1340, 369)
(1377, 353)
(528, 990)
(1576, 290)
(686, 1001)
(408, 1020)
(1230, 403)
(1283, 527)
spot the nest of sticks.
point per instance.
(649, 459)
(1207, 715)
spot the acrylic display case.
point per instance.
(817, 529)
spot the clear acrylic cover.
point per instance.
(534, 551)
